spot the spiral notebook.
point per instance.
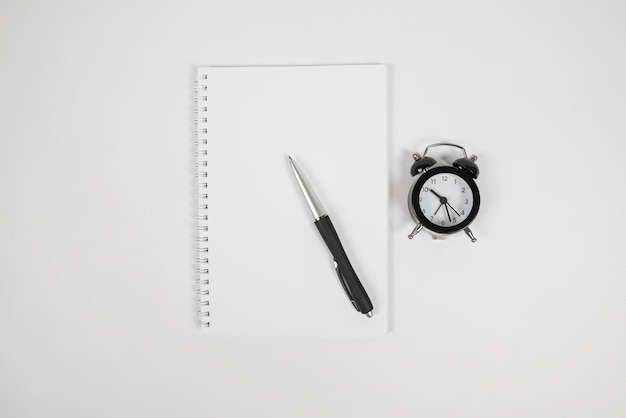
(263, 268)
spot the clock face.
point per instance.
(445, 199)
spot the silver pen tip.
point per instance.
(369, 314)
(311, 198)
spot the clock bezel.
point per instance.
(416, 210)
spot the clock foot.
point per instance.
(417, 229)
(469, 234)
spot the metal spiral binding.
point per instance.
(202, 272)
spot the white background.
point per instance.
(96, 230)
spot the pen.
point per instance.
(347, 277)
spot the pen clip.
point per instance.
(342, 280)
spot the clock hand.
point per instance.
(440, 205)
(436, 194)
(453, 209)
(449, 217)
(442, 200)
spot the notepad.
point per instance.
(263, 268)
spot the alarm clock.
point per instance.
(444, 198)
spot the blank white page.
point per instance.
(269, 271)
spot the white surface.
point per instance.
(96, 171)
(270, 272)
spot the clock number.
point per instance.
(444, 178)
(443, 222)
(425, 189)
(462, 189)
(433, 181)
(466, 201)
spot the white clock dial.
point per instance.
(445, 199)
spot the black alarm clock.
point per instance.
(444, 198)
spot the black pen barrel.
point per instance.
(351, 280)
